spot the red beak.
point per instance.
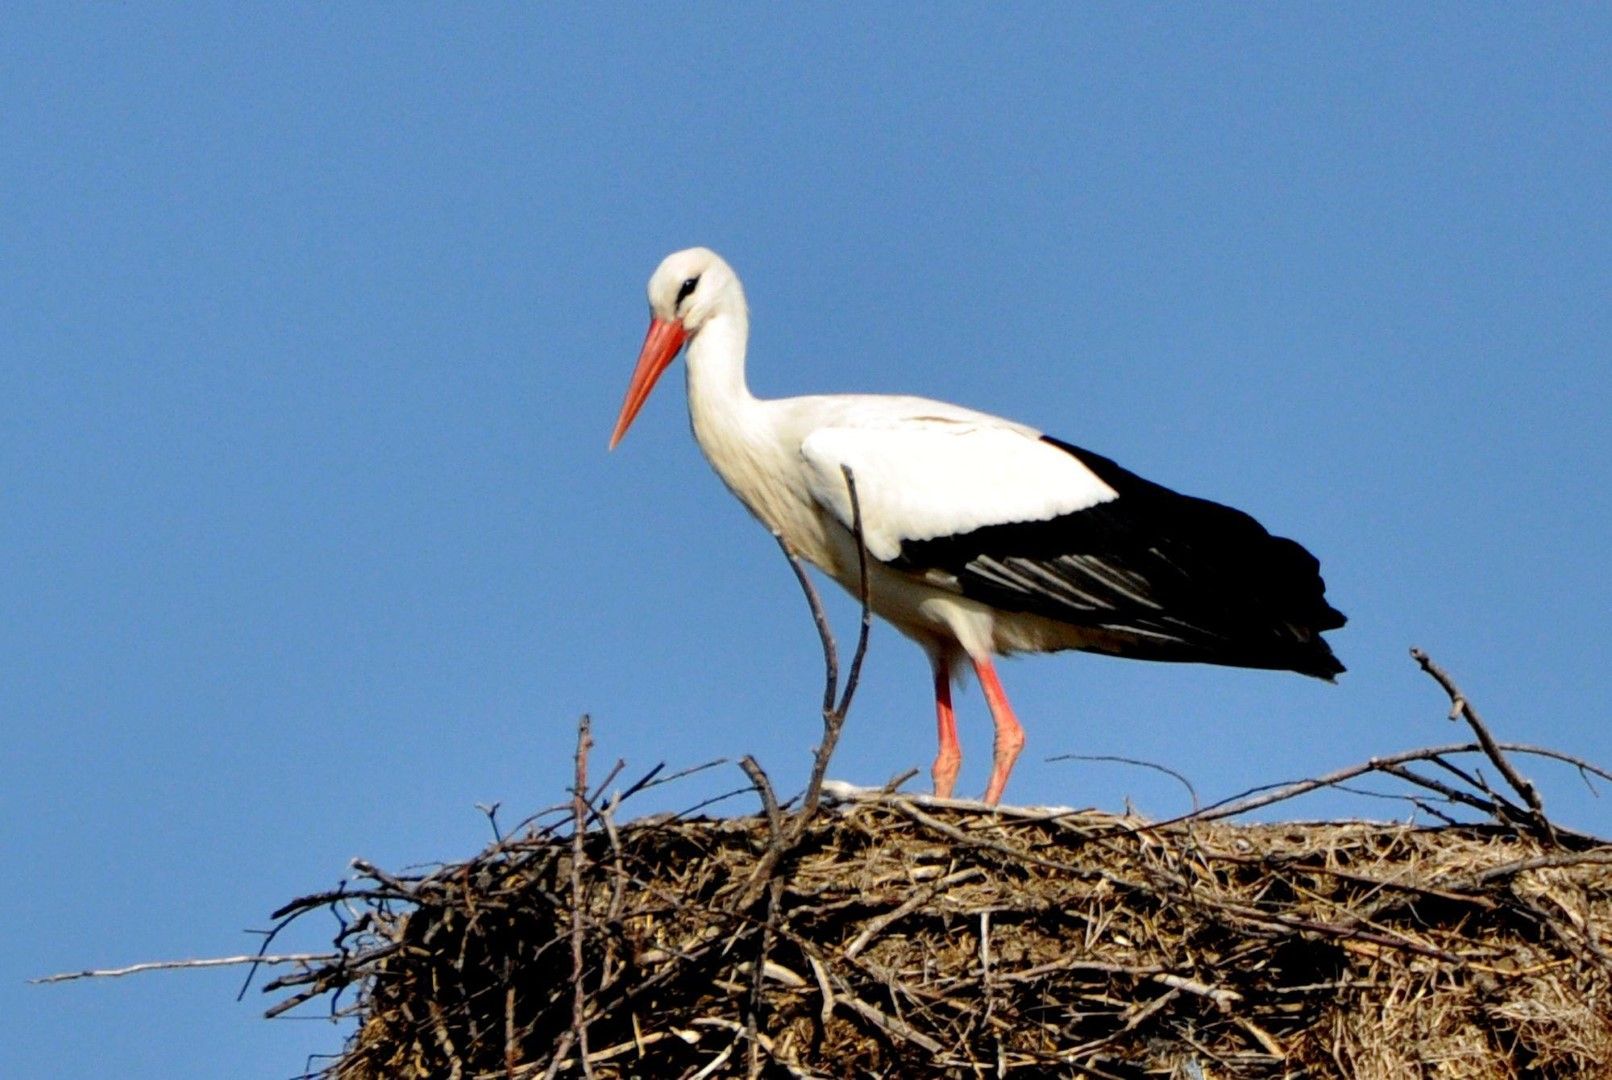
(661, 346)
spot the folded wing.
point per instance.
(1025, 523)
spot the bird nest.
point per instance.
(873, 933)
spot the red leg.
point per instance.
(944, 771)
(1009, 735)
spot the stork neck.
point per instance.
(717, 391)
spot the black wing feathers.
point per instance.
(1165, 575)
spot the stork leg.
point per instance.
(944, 771)
(1009, 734)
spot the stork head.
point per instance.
(686, 290)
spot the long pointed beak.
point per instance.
(661, 346)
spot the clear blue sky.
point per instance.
(314, 323)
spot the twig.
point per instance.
(269, 936)
(653, 778)
(766, 870)
(579, 805)
(561, 1049)
(709, 801)
(1192, 792)
(888, 1023)
(370, 870)
(1267, 794)
(1135, 1018)
(918, 899)
(825, 635)
(792, 1068)
(861, 594)
(908, 808)
(893, 785)
(820, 973)
(491, 811)
(619, 890)
(439, 1032)
(717, 1062)
(1540, 862)
(1500, 809)
(512, 1046)
(769, 800)
(778, 844)
(833, 715)
(1222, 997)
(1461, 709)
(987, 983)
(179, 965)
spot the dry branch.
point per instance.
(579, 803)
(1461, 708)
(833, 713)
(249, 960)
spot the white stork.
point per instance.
(985, 536)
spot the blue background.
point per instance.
(314, 322)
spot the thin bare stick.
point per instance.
(831, 659)
(1192, 792)
(893, 785)
(561, 1049)
(861, 593)
(765, 876)
(1586, 768)
(889, 1024)
(579, 825)
(1494, 809)
(711, 801)
(491, 810)
(1254, 798)
(653, 778)
(178, 965)
(777, 843)
(1539, 862)
(763, 786)
(1474, 779)
(788, 1066)
(834, 717)
(876, 926)
(1461, 709)
(512, 1046)
(832, 721)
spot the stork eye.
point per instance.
(688, 287)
